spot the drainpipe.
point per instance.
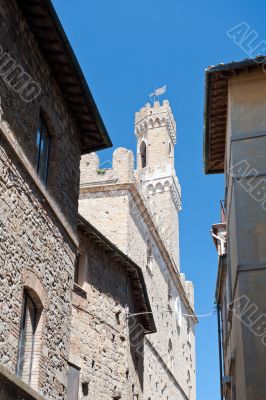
(220, 348)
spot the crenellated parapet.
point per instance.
(119, 169)
(157, 116)
(189, 287)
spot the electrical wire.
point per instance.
(170, 311)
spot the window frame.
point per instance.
(73, 389)
(43, 130)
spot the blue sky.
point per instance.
(126, 48)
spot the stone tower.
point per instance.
(137, 210)
(155, 129)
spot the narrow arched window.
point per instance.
(30, 340)
(143, 154)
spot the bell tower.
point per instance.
(155, 129)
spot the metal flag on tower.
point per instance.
(158, 92)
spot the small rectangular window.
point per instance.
(73, 382)
(43, 148)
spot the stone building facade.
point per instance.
(79, 310)
(235, 144)
(106, 344)
(138, 211)
(42, 137)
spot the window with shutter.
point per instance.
(29, 341)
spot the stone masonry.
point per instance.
(35, 253)
(37, 224)
(135, 210)
(19, 42)
(106, 346)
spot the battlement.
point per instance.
(119, 169)
(155, 109)
(155, 116)
(189, 287)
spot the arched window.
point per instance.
(143, 154)
(30, 339)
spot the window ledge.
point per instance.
(23, 391)
(79, 291)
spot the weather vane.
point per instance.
(158, 92)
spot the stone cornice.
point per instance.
(170, 182)
(176, 195)
(140, 203)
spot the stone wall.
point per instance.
(100, 339)
(37, 224)
(162, 292)
(244, 332)
(36, 253)
(17, 40)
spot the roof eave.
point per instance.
(87, 91)
(208, 169)
(221, 73)
(206, 123)
(147, 316)
(89, 103)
